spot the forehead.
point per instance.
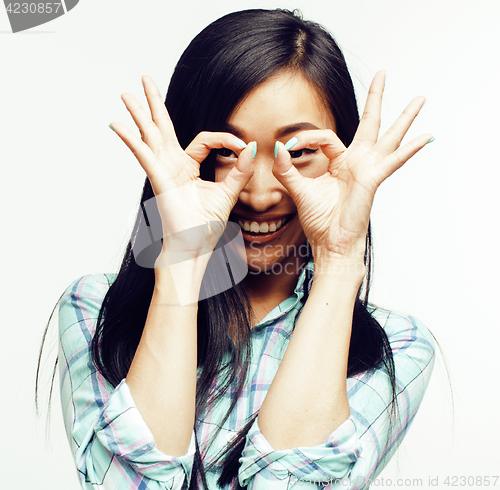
(282, 100)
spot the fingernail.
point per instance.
(276, 148)
(109, 126)
(291, 143)
(254, 151)
(431, 140)
(240, 143)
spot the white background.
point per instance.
(69, 188)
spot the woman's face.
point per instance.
(278, 109)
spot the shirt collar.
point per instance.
(304, 282)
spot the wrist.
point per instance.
(180, 282)
(333, 293)
(346, 267)
(348, 272)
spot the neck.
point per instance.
(268, 289)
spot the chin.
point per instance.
(256, 267)
(277, 268)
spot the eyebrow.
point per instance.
(285, 130)
(294, 128)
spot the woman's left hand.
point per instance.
(334, 209)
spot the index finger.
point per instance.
(158, 110)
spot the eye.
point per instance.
(300, 153)
(225, 152)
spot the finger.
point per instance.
(150, 134)
(140, 149)
(326, 139)
(240, 174)
(399, 157)
(394, 135)
(286, 173)
(369, 124)
(158, 110)
(205, 141)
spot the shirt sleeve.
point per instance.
(112, 445)
(357, 451)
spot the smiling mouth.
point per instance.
(261, 228)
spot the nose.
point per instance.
(263, 191)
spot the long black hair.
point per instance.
(228, 59)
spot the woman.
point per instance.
(289, 377)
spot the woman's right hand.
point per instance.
(185, 202)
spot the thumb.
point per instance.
(240, 174)
(285, 172)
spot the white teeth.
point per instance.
(264, 227)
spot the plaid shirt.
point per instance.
(115, 450)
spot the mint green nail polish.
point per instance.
(276, 148)
(254, 151)
(240, 143)
(291, 143)
(431, 140)
(109, 126)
